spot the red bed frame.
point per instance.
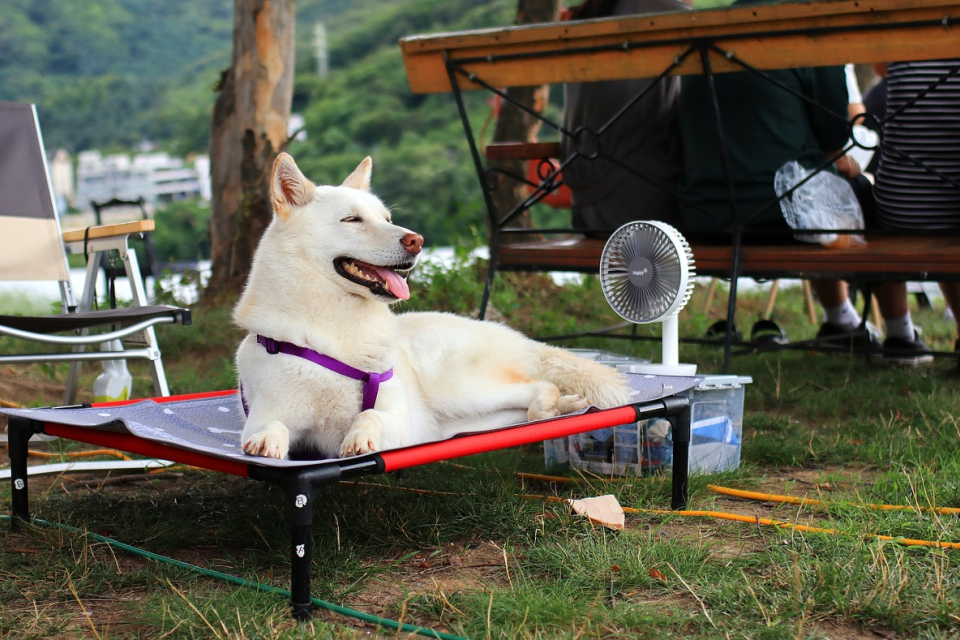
(301, 484)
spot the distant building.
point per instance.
(156, 177)
(296, 127)
(61, 177)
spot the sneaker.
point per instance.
(850, 339)
(901, 352)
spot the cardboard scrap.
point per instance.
(602, 510)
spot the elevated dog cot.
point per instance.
(203, 430)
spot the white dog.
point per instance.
(317, 310)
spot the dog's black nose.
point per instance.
(412, 242)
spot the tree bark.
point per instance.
(249, 129)
(515, 125)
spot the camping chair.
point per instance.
(34, 250)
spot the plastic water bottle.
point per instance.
(115, 383)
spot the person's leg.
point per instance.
(895, 309)
(834, 297)
(841, 319)
(951, 293)
(902, 344)
(830, 293)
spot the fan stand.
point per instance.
(669, 364)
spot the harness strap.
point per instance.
(371, 381)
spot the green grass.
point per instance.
(475, 558)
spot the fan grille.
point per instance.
(646, 271)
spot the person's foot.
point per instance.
(849, 338)
(901, 352)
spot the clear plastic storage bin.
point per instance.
(646, 447)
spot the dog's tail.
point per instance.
(598, 384)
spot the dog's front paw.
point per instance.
(363, 437)
(570, 404)
(273, 441)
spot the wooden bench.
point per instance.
(933, 257)
(713, 41)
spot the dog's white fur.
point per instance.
(451, 374)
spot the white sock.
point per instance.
(898, 327)
(845, 315)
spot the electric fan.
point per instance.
(646, 273)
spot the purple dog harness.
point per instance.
(371, 381)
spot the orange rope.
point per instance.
(697, 514)
(80, 454)
(543, 478)
(798, 527)
(772, 497)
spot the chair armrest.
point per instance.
(109, 231)
(522, 150)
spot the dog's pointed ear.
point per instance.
(360, 178)
(289, 188)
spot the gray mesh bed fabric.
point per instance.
(213, 425)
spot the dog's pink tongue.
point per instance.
(398, 286)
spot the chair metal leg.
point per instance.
(86, 304)
(711, 293)
(808, 302)
(148, 337)
(771, 300)
(132, 268)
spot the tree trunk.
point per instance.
(249, 129)
(515, 125)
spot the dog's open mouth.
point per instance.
(389, 282)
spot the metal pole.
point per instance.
(681, 459)
(481, 175)
(300, 495)
(19, 431)
(732, 197)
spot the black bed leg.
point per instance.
(681, 459)
(301, 519)
(19, 432)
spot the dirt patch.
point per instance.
(729, 539)
(850, 631)
(456, 566)
(28, 384)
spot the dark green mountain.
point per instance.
(110, 74)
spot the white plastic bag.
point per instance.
(825, 201)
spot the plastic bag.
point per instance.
(825, 201)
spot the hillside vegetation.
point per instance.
(111, 74)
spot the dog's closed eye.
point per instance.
(352, 219)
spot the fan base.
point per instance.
(659, 369)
